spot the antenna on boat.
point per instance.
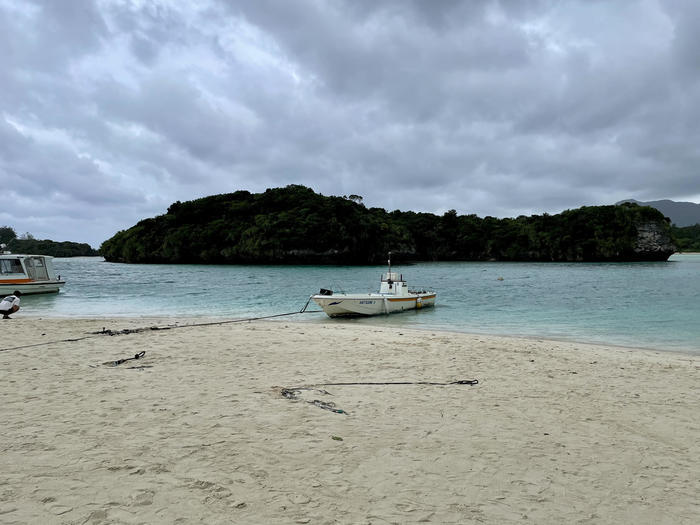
(390, 263)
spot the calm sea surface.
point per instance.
(652, 305)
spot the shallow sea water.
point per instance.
(650, 305)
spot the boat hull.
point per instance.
(30, 287)
(351, 305)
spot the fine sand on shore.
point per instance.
(198, 431)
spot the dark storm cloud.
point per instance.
(112, 110)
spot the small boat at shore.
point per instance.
(29, 274)
(393, 296)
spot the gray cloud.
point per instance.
(110, 111)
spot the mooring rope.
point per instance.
(211, 323)
(46, 343)
(128, 331)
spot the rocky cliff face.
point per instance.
(653, 242)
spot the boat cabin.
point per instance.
(393, 283)
(28, 274)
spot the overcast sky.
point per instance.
(113, 109)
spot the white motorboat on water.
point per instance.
(393, 296)
(28, 274)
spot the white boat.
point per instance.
(393, 296)
(28, 274)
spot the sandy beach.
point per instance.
(198, 431)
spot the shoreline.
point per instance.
(682, 350)
(198, 430)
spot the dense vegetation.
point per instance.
(28, 244)
(297, 225)
(687, 238)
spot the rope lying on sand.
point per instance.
(106, 331)
(294, 392)
(46, 343)
(128, 331)
(460, 382)
(120, 361)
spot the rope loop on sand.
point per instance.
(294, 392)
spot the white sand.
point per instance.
(198, 432)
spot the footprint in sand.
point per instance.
(97, 517)
(58, 510)
(213, 491)
(298, 499)
(143, 497)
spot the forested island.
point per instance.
(28, 244)
(295, 225)
(687, 238)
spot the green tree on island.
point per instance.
(26, 243)
(7, 234)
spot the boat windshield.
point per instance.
(10, 266)
(36, 269)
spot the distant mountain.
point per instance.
(681, 213)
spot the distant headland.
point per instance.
(295, 225)
(26, 243)
(685, 221)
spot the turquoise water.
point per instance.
(652, 305)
